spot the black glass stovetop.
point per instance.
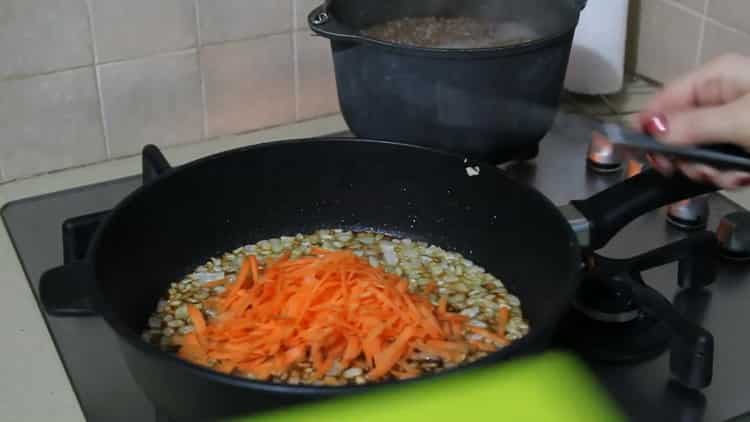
(106, 391)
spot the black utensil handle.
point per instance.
(154, 163)
(721, 156)
(692, 348)
(609, 211)
(67, 290)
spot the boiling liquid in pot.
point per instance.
(458, 33)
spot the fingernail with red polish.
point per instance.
(657, 124)
(744, 181)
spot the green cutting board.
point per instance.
(553, 387)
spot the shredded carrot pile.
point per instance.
(330, 307)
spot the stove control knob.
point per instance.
(734, 235)
(689, 214)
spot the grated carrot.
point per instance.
(328, 308)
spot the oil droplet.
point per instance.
(450, 192)
(404, 189)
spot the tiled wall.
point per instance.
(670, 37)
(83, 81)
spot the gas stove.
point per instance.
(671, 254)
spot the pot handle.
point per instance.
(67, 290)
(154, 163)
(324, 23)
(609, 211)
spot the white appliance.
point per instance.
(597, 60)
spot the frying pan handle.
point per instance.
(692, 349)
(154, 163)
(67, 290)
(609, 211)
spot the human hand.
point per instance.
(710, 105)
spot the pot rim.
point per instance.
(334, 30)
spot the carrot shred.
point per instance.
(430, 288)
(199, 323)
(503, 315)
(488, 335)
(215, 283)
(480, 345)
(329, 308)
(443, 305)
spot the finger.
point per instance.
(729, 180)
(732, 180)
(661, 164)
(698, 172)
(717, 82)
(708, 125)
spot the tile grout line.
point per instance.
(250, 38)
(204, 105)
(168, 148)
(98, 79)
(157, 54)
(152, 56)
(705, 16)
(701, 37)
(702, 34)
(295, 62)
(684, 8)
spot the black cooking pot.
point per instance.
(459, 100)
(183, 215)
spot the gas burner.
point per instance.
(690, 214)
(635, 167)
(734, 236)
(617, 317)
(602, 156)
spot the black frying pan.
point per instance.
(183, 215)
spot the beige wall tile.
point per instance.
(156, 100)
(667, 40)
(249, 84)
(50, 122)
(302, 8)
(719, 40)
(734, 13)
(137, 28)
(39, 36)
(223, 20)
(316, 83)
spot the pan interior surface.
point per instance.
(214, 205)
